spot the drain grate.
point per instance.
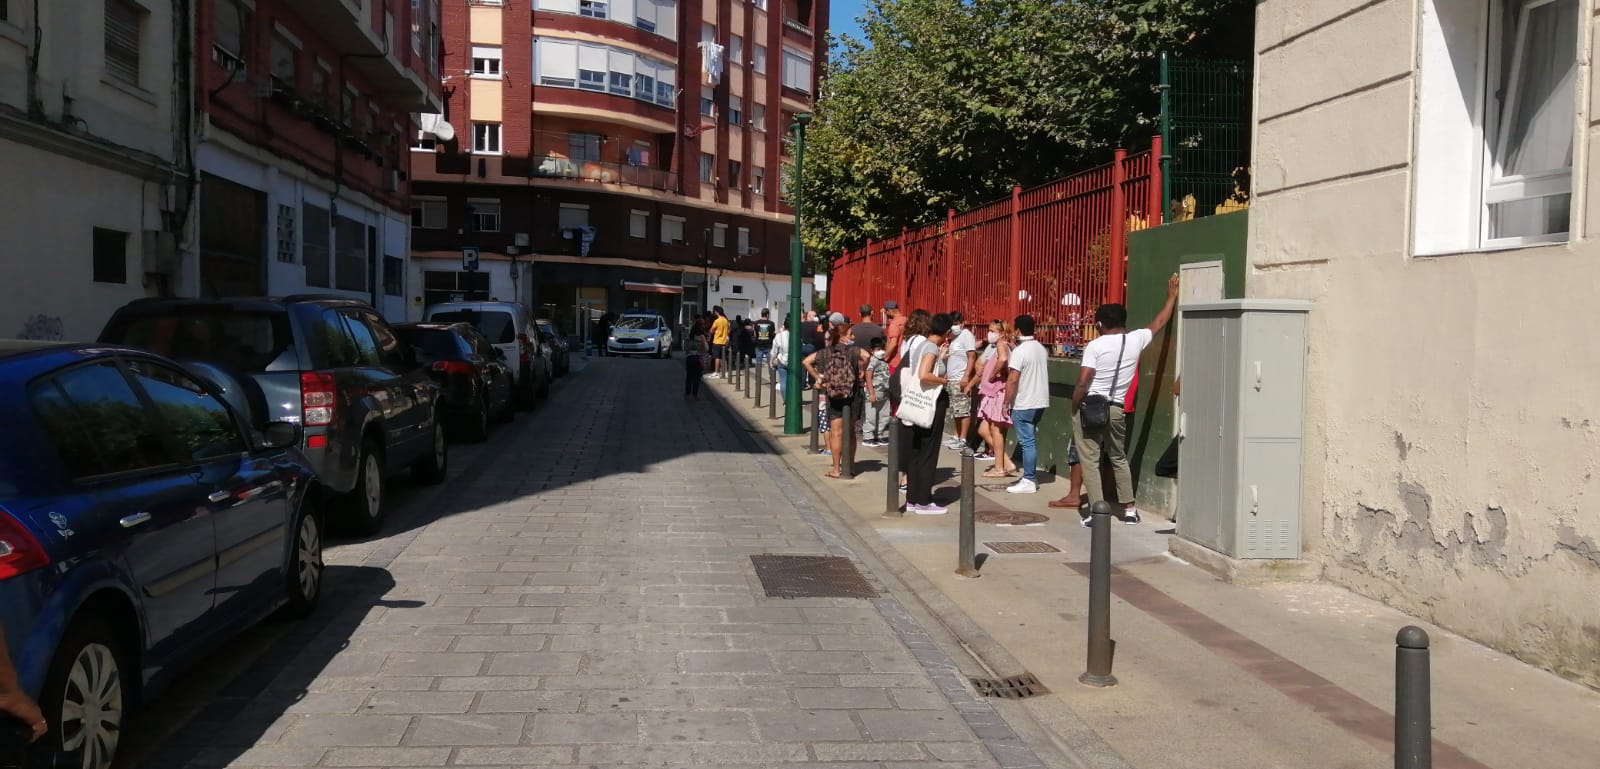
(1022, 547)
(1012, 688)
(810, 576)
(1010, 518)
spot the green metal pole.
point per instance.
(1166, 135)
(791, 402)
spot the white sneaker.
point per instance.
(928, 509)
(1130, 516)
(1023, 486)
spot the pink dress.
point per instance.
(992, 408)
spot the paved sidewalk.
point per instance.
(583, 595)
(1276, 676)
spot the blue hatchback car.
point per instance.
(142, 523)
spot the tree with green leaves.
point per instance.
(947, 103)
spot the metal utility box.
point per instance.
(1243, 368)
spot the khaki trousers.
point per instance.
(1111, 442)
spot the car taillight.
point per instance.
(318, 397)
(526, 346)
(20, 553)
(453, 367)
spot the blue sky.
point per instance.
(842, 17)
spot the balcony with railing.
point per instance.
(372, 46)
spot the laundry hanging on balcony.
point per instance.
(711, 61)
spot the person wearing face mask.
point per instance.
(875, 422)
(961, 367)
(993, 420)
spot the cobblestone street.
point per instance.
(581, 592)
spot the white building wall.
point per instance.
(1453, 421)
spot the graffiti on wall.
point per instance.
(42, 327)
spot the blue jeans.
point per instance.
(781, 375)
(762, 355)
(1027, 424)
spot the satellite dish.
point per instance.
(444, 131)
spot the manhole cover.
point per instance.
(1012, 688)
(1010, 518)
(1022, 547)
(810, 576)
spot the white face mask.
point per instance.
(994, 337)
(879, 354)
(955, 328)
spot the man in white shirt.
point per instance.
(1027, 396)
(1109, 363)
(961, 367)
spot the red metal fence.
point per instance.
(1055, 252)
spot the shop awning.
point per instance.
(651, 288)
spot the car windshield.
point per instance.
(638, 321)
(247, 341)
(499, 326)
(432, 344)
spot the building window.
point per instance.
(286, 234)
(796, 70)
(622, 84)
(454, 287)
(124, 29)
(584, 148)
(639, 224)
(708, 166)
(229, 20)
(644, 87)
(758, 117)
(744, 240)
(672, 229)
(758, 60)
(394, 276)
(601, 68)
(315, 224)
(573, 216)
(734, 175)
(758, 180)
(350, 254)
(110, 256)
(430, 213)
(735, 110)
(708, 32)
(591, 80)
(719, 235)
(708, 101)
(320, 75)
(735, 51)
(738, 289)
(594, 9)
(486, 138)
(485, 214)
(658, 16)
(486, 61)
(285, 59)
(347, 106)
(761, 5)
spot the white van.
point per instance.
(509, 327)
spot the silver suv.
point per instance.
(509, 327)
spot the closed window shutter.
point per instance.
(122, 41)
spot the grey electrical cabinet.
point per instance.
(1243, 365)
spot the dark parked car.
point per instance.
(560, 349)
(476, 379)
(332, 365)
(508, 326)
(142, 523)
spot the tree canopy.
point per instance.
(947, 103)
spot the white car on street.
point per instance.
(640, 334)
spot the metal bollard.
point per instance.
(1413, 707)
(1100, 644)
(892, 505)
(750, 369)
(759, 374)
(736, 369)
(772, 402)
(847, 442)
(967, 565)
(819, 405)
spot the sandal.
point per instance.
(834, 474)
(993, 474)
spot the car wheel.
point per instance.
(87, 694)
(365, 503)
(432, 468)
(475, 426)
(304, 575)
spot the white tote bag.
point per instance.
(918, 402)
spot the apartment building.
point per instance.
(607, 155)
(1426, 174)
(303, 160)
(92, 115)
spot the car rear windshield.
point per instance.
(432, 344)
(500, 327)
(637, 321)
(246, 340)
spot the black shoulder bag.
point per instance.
(1095, 413)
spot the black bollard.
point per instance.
(1098, 673)
(760, 373)
(1413, 706)
(967, 565)
(847, 442)
(737, 357)
(892, 505)
(750, 369)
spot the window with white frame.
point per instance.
(486, 61)
(573, 216)
(796, 70)
(485, 214)
(430, 213)
(639, 223)
(656, 16)
(735, 51)
(124, 40)
(708, 101)
(486, 138)
(719, 235)
(708, 167)
(735, 110)
(601, 68)
(229, 20)
(758, 59)
(594, 9)
(285, 58)
(671, 229)
(1496, 169)
(758, 180)
(708, 32)
(744, 241)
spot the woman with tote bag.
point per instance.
(924, 359)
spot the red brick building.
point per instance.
(603, 154)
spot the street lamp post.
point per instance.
(797, 249)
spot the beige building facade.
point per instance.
(1425, 174)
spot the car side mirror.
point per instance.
(280, 435)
